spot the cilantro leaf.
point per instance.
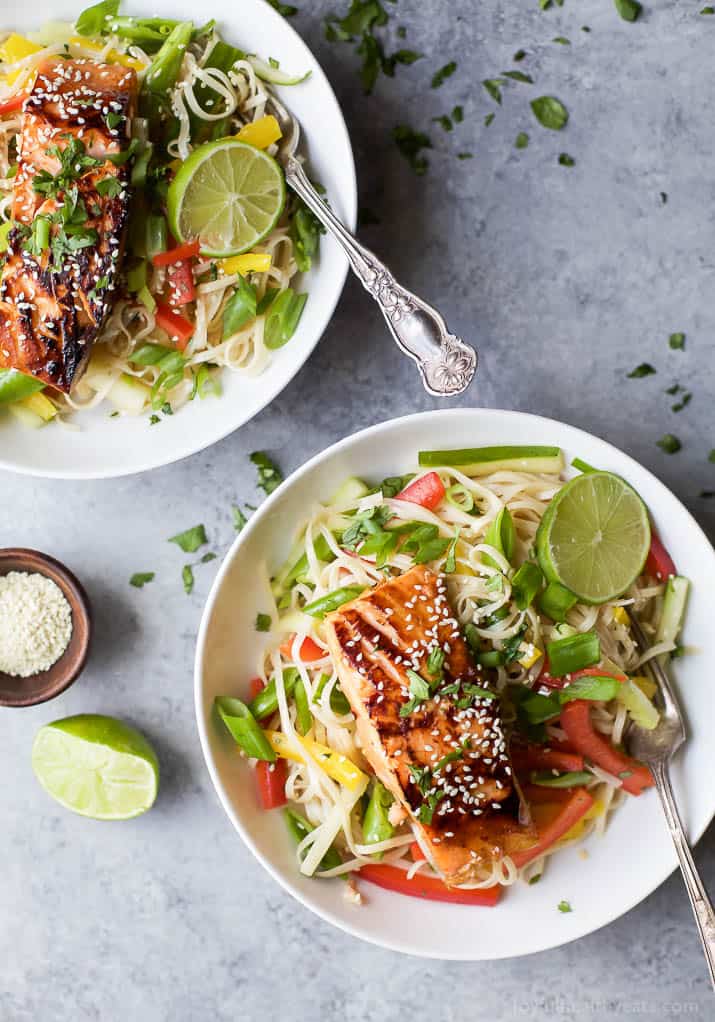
(550, 112)
(263, 622)
(669, 443)
(628, 9)
(411, 143)
(644, 369)
(191, 539)
(140, 578)
(441, 76)
(677, 341)
(269, 475)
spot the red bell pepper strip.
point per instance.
(181, 283)
(308, 652)
(576, 722)
(178, 254)
(577, 806)
(179, 329)
(428, 491)
(416, 852)
(541, 757)
(391, 878)
(7, 106)
(272, 783)
(255, 686)
(659, 564)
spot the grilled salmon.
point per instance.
(70, 208)
(429, 722)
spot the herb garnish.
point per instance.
(522, 140)
(669, 443)
(187, 577)
(644, 369)
(263, 622)
(411, 143)
(419, 691)
(564, 906)
(110, 186)
(269, 475)
(493, 87)
(711, 456)
(393, 485)
(239, 518)
(441, 76)
(140, 578)
(421, 776)
(628, 9)
(677, 341)
(359, 25)
(561, 40)
(550, 112)
(287, 10)
(429, 805)
(565, 160)
(191, 539)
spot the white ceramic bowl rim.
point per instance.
(440, 418)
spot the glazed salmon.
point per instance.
(429, 722)
(70, 207)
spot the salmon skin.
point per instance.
(429, 723)
(70, 208)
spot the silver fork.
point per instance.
(447, 365)
(656, 748)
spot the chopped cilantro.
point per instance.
(269, 475)
(682, 403)
(445, 72)
(644, 369)
(465, 156)
(110, 186)
(493, 87)
(519, 76)
(411, 143)
(522, 140)
(550, 112)
(565, 160)
(628, 9)
(263, 622)
(669, 443)
(488, 119)
(140, 578)
(564, 906)
(677, 341)
(561, 40)
(519, 55)
(287, 10)
(190, 540)
(239, 518)
(711, 456)
(187, 577)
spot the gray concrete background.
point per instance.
(566, 279)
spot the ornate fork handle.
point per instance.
(446, 363)
(702, 906)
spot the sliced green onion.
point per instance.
(156, 235)
(460, 497)
(573, 653)
(299, 827)
(292, 317)
(282, 318)
(149, 354)
(472, 638)
(243, 727)
(583, 466)
(147, 298)
(265, 302)
(556, 601)
(597, 687)
(240, 308)
(479, 461)
(331, 601)
(501, 534)
(525, 584)
(338, 699)
(376, 826)
(140, 169)
(491, 658)
(568, 780)
(539, 708)
(303, 717)
(265, 703)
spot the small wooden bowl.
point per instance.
(38, 688)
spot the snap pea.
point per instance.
(556, 600)
(331, 601)
(338, 699)
(149, 33)
(240, 308)
(304, 718)
(376, 826)
(244, 729)
(162, 75)
(501, 534)
(156, 235)
(149, 354)
(299, 827)
(525, 584)
(573, 653)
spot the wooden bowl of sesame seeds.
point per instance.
(45, 627)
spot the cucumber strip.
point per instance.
(482, 461)
(638, 705)
(297, 563)
(671, 620)
(349, 493)
(274, 75)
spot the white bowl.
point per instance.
(636, 854)
(106, 447)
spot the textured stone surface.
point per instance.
(566, 279)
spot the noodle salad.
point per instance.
(481, 600)
(187, 302)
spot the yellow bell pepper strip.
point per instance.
(337, 766)
(647, 686)
(249, 262)
(113, 57)
(620, 614)
(261, 133)
(529, 654)
(16, 48)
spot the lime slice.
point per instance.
(96, 766)
(594, 537)
(228, 195)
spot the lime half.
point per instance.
(96, 766)
(228, 195)
(594, 537)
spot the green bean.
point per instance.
(265, 703)
(244, 729)
(331, 601)
(299, 827)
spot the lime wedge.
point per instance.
(594, 537)
(228, 195)
(96, 766)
